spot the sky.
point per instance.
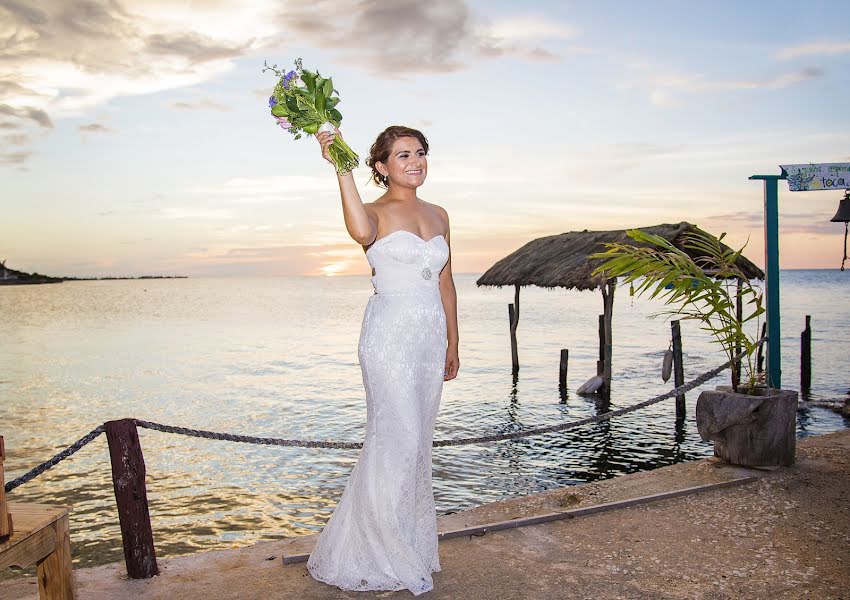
(136, 136)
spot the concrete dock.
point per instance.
(781, 533)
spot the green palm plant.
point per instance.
(702, 279)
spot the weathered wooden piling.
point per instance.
(760, 353)
(512, 327)
(806, 356)
(128, 479)
(513, 322)
(600, 363)
(562, 368)
(678, 368)
(607, 288)
(5, 517)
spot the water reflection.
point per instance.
(216, 355)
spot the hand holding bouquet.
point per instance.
(303, 101)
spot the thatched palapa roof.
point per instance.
(563, 260)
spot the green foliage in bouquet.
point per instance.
(304, 102)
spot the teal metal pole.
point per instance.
(771, 272)
(771, 281)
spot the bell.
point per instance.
(843, 214)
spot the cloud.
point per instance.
(819, 48)
(61, 59)
(667, 88)
(389, 38)
(512, 36)
(24, 12)
(18, 139)
(195, 213)
(31, 114)
(530, 28)
(269, 189)
(789, 79)
(75, 54)
(790, 223)
(618, 158)
(14, 158)
(195, 48)
(67, 57)
(203, 104)
(541, 55)
(260, 93)
(95, 128)
(395, 39)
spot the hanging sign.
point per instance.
(823, 176)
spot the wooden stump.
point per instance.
(128, 479)
(806, 358)
(750, 430)
(512, 324)
(678, 368)
(562, 368)
(5, 517)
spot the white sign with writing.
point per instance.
(823, 176)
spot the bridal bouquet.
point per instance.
(304, 101)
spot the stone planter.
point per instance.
(753, 430)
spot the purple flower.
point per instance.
(287, 78)
(272, 101)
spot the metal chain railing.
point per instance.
(249, 439)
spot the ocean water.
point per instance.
(278, 357)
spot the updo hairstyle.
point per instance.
(380, 150)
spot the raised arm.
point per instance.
(361, 223)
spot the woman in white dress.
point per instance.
(383, 533)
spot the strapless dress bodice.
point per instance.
(404, 263)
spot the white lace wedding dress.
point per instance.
(383, 533)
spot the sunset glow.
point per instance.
(139, 142)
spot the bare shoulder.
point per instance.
(439, 211)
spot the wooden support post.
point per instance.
(678, 369)
(514, 352)
(128, 478)
(5, 517)
(608, 288)
(760, 353)
(513, 322)
(562, 370)
(600, 364)
(55, 575)
(806, 357)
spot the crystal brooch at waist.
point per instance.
(426, 273)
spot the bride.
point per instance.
(383, 533)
